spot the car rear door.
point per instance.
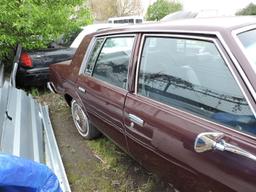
(190, 117)
(102, 84)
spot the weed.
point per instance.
(115, 165)
(34, 92)
(106, 152)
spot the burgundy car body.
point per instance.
(161, 137)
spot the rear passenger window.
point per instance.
(112, 63)
(94, 53)
(191, 75)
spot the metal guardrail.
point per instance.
(1, 74)
(22, 129)
(15, 65)
(26, 131)
(52, 154)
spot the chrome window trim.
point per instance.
(240, 71)
(91, 46)
(194, 33)
(87, 55)
(192, 37)
(243, 29)
(235, 34)
(154, 31)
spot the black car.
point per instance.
(33, 69)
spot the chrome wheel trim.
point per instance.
(80, 119)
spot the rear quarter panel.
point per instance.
(64, 74)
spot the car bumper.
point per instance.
(32, 77)
(51, 87)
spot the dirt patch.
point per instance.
(96, 165)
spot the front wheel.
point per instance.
(82, 122)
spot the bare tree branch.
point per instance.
(114, 8)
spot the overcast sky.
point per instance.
(221, 7)
(226, 7)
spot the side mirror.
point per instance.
(213, 141)
(207, 141)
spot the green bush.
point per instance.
(161, 8)
(36, 23)
(248, 10)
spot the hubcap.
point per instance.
(80, 119)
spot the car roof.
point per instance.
(217, 24)
(90, 29)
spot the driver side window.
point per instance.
(191, 75)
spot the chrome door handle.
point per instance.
(81, 89)
(136, 120)
(213, 141)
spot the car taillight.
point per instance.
(26, 60)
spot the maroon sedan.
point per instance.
(178, 97)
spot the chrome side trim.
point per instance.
(51, 87)
(38, 69)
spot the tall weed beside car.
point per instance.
(35, 23)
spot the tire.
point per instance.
(82, 123)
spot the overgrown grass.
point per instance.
(117, 165)
(106, 152)
(37, 92)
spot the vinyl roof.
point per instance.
(218, 24)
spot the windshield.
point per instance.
(248, 40)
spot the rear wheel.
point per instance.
(82, 122)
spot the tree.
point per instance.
(114, 8)
(161, 8)
(35, 23)
(248, 10)
(128, 7)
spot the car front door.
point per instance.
(189, 117)
(102, 84)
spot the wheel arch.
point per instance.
(68, 98)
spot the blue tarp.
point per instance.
(19, 174)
